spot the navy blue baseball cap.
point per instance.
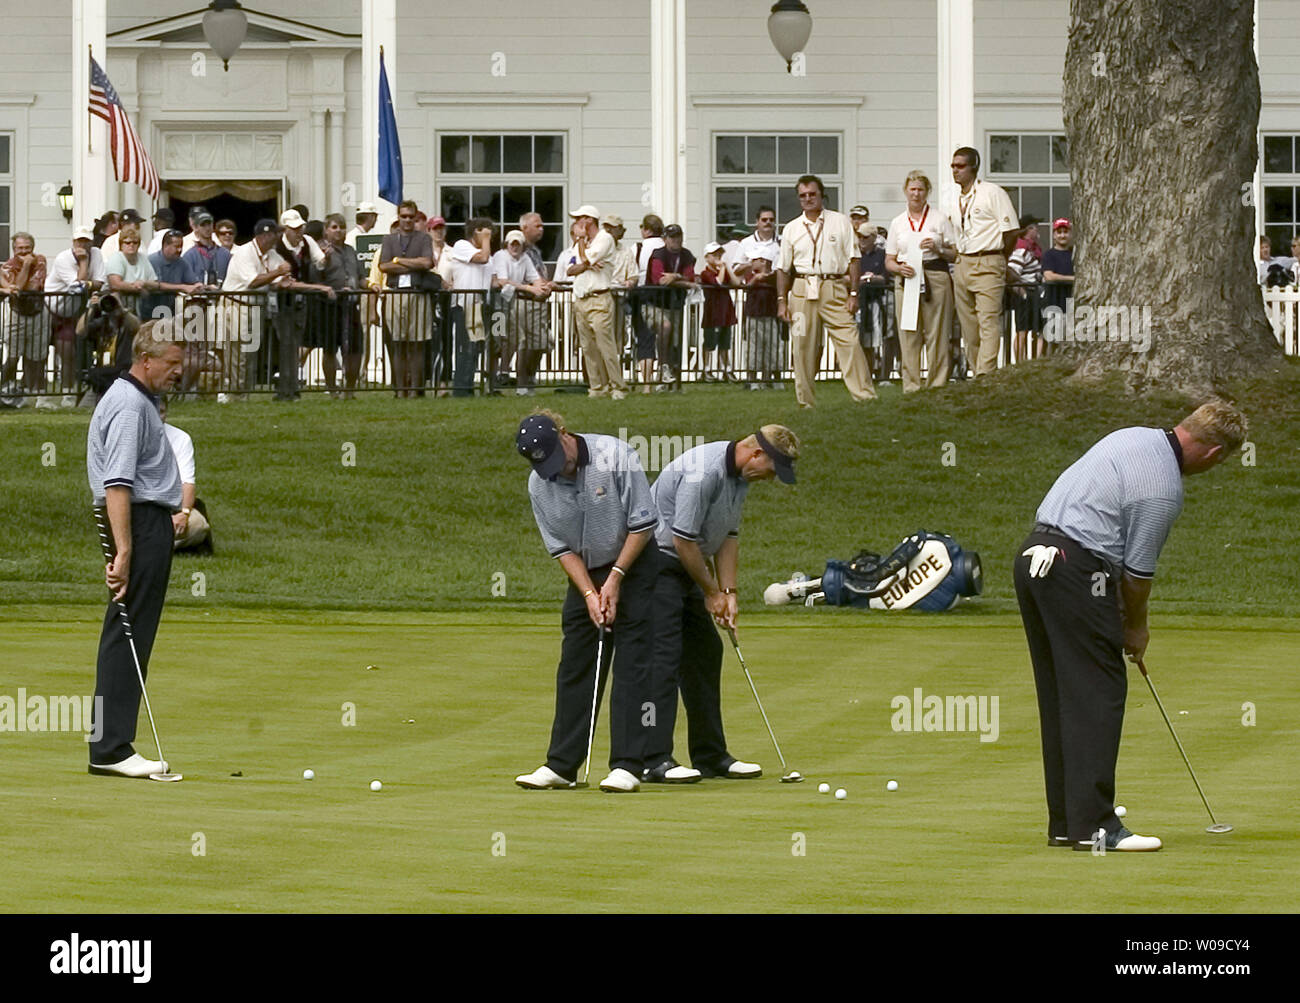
(538, 442)
(783, 464)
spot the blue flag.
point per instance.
(390, 150)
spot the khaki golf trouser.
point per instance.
(594, 318)
(980, 286)
(934, 323)
(195, 532)
(828, 313)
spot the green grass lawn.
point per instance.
(423, 559)
(460, 704)
(435, 509)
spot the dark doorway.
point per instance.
(245, 214)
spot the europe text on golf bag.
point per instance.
(927, 571)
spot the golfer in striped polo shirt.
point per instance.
(699, 496)
(593, 508)
(136, 486)
(1082, 580)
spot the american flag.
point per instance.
(130, 161)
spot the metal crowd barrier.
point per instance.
(439, 343)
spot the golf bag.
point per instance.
(927, 571)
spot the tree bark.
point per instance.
(1161, 106)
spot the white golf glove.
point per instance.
(1040, 560)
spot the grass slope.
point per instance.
(436, 506)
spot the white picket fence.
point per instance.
(1283, 307)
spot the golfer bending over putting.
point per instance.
(136, 486)
(1082, 581)
(699, 496)
(593, 509)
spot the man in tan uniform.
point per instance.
(593, 306)
(818, 271)
(987, 228)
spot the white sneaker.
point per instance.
(620, 782)
(753, 386)
(69, 400)
(223, 398)
(541, 779)
(617, 395)
(47, 403)
(525, 392)
(744, 771)
(133, 766)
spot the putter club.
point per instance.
(789, 776)
(107, 544)
(1215, 826)
(595, 693)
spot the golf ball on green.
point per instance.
(841, 794)
(823, 788)
(375, 785)
(892, 785)
(308, 775)
(1120, 811)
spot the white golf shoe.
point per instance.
(1132, 842)
(542, 779)
(135, 766)
(744, 771)
(620, 781)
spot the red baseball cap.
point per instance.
(1061, 222)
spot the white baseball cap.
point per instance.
(515, 236)
(712, 246)
(366, 207)
(586, 210)
(292, 219)
(83, 233)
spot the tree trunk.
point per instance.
(1161, 105)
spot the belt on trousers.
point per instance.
(1107, 563)
(935, 266)
(821, 275)
(978, 254)
(595, 292)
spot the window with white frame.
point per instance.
(1281, 192)
(503, 176)
(6, 191)
(1034, 168)
(750, 171)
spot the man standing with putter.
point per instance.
(594, 511)
(1083, 580)
(136, 486)
(699, 497)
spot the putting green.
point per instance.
(457, 705)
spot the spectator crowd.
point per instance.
(928, 297)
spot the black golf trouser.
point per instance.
(687, 658)
(1073, 625)
(116, 684)
(627, 652)
(290, 324)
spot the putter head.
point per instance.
(166, 778)
(1219, 828)
(793, 777)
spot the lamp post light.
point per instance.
(789, 26)
(65, 201)
(225, 26)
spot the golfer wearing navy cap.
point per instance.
(699, 497)
(593, 508)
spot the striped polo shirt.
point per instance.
(591, 514)
(699, 497)
(127, 447)
(1120, 499)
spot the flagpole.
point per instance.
(90, 119)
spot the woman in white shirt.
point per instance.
(129, 270)
(920, 226)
